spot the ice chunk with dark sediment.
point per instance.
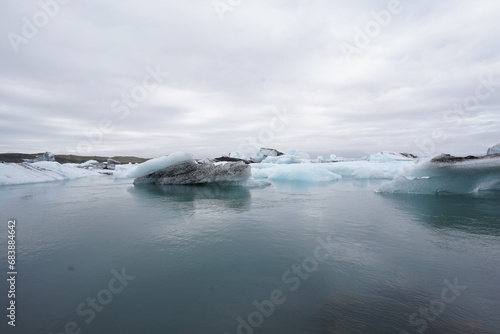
(448, 174)
(181, 168)
(265, 152)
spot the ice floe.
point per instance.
(446, 174)
(181, 168)
(42, 171)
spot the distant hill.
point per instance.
(16, 157)
(19, 157)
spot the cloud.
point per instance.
(226, 78)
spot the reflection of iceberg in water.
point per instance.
(235, 197)
(469, 213)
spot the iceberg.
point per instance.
(238, 155)
(181, 168)
(42, 171)
(122, 171)
(264, 153)
(291, 157)
(156, 164)
(447, 174)
(386, 156)
(293, 168)
(494, 150)
(89, 163)
(47, 156)
(307, 172)
(283, 159)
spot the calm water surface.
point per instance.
(102, 256)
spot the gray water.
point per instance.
(314, 258)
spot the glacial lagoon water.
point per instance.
(99, 255)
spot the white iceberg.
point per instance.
(238, 155)
(386, 156)
(47, 156)
(89, 163)
(494, 150)
(280, 168)
(283, 159)
(42, 171)
(307, 172)
(264, 153)
(291, 157)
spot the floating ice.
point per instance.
(290, 173)
(264, 153)
(160, 163)
(181, 168)
(291, 157)
(42, 171)
(494, 150)
(47, 156)
(89, 163)
(460, 176)
(297, 172)
(238, 155)
(305, 170)
(122, 171)
(386, 156)
(283, 159)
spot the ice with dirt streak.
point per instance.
(435, 177)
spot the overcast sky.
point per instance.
(346, 77)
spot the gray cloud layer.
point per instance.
(352, 77)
